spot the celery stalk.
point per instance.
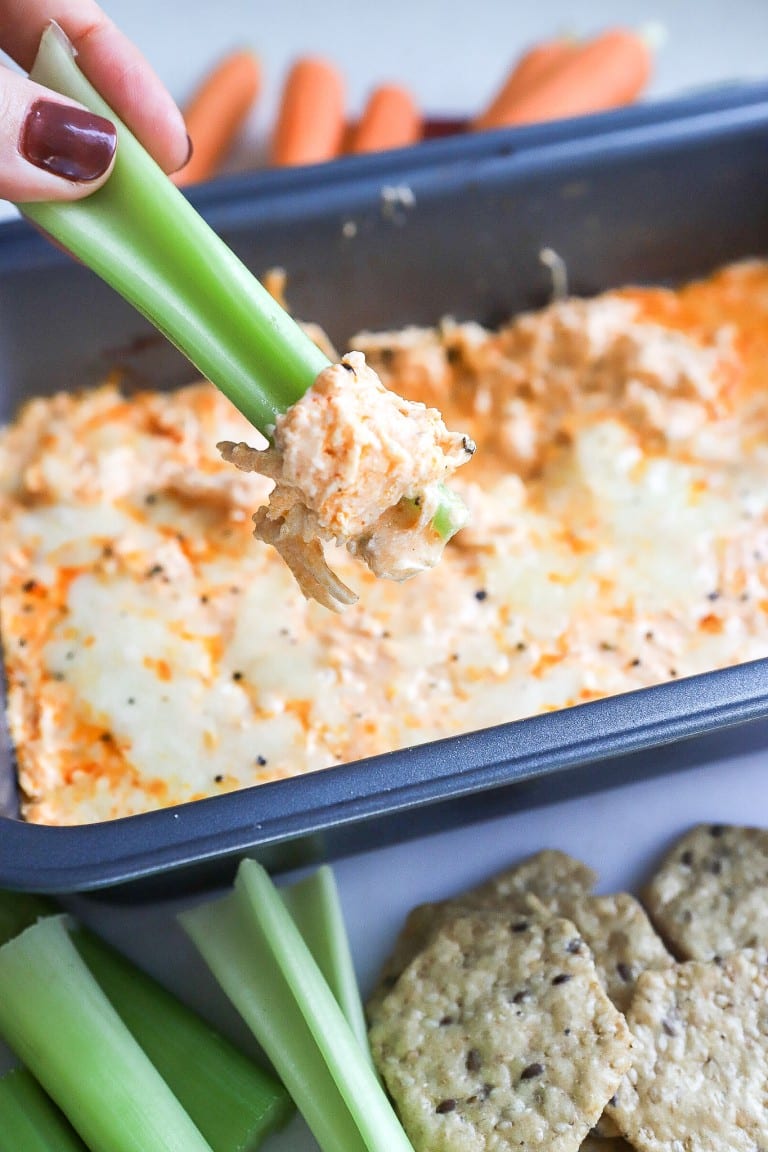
(19, 910)
(144, 238)
(259, 957)
(234, 1103)
(141, 235)
(314, 905)
(252, 980)
(30, 1121)
(63, 1028)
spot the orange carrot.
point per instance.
(217, 111)
(390, 119)
(535, 63)
(310, 123)
(606, 72)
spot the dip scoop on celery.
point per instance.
(353, 463)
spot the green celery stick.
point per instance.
(30, 1121)
(233, 1102)
(60, 1024)
(253, 982)
(314, 905)
(141, 235)
(260, 959)
(19, 910)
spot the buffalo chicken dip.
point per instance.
(156, 653)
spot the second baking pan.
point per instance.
(656, 197)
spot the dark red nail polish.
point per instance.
(69, 142)
(190, 150)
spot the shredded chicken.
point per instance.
(354, 464)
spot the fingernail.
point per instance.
(190, 150)
(66, 141)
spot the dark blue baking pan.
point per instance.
(655, 194)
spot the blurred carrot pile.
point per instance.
(555, 79)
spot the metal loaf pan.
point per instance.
(657, 193)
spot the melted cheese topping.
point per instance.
(156, 653)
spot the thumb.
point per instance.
(50, 147)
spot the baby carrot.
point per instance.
(608, 71)
(310, 122)
(534, 64)
(217, 111)
(390, 119)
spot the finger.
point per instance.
(50, 148)
(113, 64)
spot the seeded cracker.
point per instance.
(499, 1035)
(709, 895)
(548, 875)
(699, 1075)
(624, 943)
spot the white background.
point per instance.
(453, 57)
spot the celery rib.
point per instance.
(30, 1121)
(142, 236)
(260, 959)
(19, 910)
(57, 1020)
(234, 1102)
(315, 908)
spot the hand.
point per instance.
(52, 148)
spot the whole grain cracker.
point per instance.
(499, 1035)
(699, 1075)
(624, 943)
(709, 895)
(549, 876)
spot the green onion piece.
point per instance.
(316, 910)
(141, 235)
(63, 1028)
(451, 515)
(259, 957)
(30, 1121)
(233, 1102)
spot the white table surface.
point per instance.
(453, 56)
